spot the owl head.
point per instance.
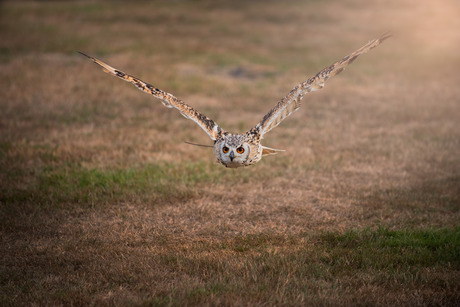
(234, 150)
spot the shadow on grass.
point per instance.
(427, 201)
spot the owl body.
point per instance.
(237, 150)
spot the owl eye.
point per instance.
(225, 149)
(240, 150)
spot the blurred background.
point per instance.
(102, 202)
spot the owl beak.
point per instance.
(232, 156)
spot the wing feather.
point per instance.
(291, 102)
(168, 100)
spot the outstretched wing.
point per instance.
(168, 100)
(291, 102)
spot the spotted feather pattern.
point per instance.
(291, 102)
(168, 100)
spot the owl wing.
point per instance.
(291, 102)
(168, 100)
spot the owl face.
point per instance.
(232, 151)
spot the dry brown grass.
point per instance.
(103, 204)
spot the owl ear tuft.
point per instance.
(200, 145)
(270, 151)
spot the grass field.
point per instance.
(102, 202)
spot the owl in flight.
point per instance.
(237, 150)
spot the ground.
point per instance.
(102, 202)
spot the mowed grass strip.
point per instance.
(358, 267)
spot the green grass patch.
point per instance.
(393, 249)
(73, 184)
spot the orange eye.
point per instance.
(225, 149)
(240, 150)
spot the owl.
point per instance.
(238, 150)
